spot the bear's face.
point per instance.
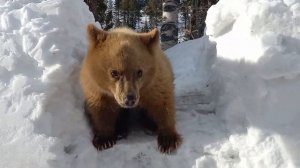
(127, 74)
(123, 64)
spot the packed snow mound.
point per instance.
(191, 61)
(257, 74)
(41, 45)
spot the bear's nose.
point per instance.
(130, 97)
(130, 100)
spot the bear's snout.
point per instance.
(130, 100)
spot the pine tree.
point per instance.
(108, 20)
(117, 13)
(146, 27)
(153, 9)
(98, 8)
(130, 11)
(101, 15)
(199, 10)
(184, 9)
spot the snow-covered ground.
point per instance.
(245, 75)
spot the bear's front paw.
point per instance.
(168, 143)
(103, 142)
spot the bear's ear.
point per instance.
(96, 35)
(151, 38)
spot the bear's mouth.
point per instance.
(128, 106)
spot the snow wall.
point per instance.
(42, 44)
(257, 83)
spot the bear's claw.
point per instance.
(102, 143)
(169, 143)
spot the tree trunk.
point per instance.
(169, 28)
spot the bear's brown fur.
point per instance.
(124, 69)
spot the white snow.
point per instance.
(41, 45)
(257, 83)
(246, 71)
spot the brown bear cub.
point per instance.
(124, 70)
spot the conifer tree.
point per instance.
(101, 15)
(153, 9)
(130, 11)
(108, 20)
(146, 27)
(198, 12)
(117, 13)
(98, 8)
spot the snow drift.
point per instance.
(257, 74)
(41, 45)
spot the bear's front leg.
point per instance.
(102, 117)
(163, 114)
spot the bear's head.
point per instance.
(122, 62)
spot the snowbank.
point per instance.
(41, 45)
(257, 74)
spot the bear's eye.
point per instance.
(115, 74)
(139, 73)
